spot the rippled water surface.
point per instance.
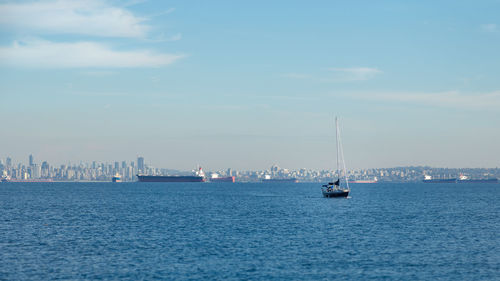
(248, 231)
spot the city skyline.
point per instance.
(10, 171)
(140, 163)
(250, 85)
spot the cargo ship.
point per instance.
(146, 178)
(466, 179)
(492, 180)
(198, 177)
(429, 179)
(216, 178)
(8, 179)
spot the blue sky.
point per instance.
(250, 84)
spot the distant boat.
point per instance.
(374, 180)
(116, 178)
(429, 179)
(198, 177)
(146, 178)
(466, 179)
(216, 178)
(334, 189)
(223, 179)
(491, 180)
(294, 180)
(9, 179)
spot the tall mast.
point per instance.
(341, 148)
(337, 144)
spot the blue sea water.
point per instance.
(275, 231)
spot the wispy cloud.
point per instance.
(46, 54)
(162, 13)
(490, 27)
(175, 37)
(84, 17)
(98, 73)
(296, 75)
(354, 73)
(338, 74)
(451, 99)
(133, 3)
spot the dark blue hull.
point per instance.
(335, 194)
(170, 178)
(494, 180)
(440, 181)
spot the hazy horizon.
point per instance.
(25, 162)
(227, 84)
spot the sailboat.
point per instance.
(336, 188)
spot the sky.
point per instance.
(249, 84)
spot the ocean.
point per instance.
(249, 231)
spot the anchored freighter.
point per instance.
(216, 178)
(466, 179)
(198, 177)
(429, 179)
(145, 178)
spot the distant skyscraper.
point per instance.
(36, 171)
(274, 169)
(45, 169)
(117, 166)
(31, 160)
(8, 162)
(140, 164)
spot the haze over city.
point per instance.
(248, 85)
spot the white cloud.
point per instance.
(133, 3)
(84, 17)
(175, 37)
(165, 38)
(450, 99)
(46, 54)
(354, 73)
(490, 27)
(169, 11)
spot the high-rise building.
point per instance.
(31, 160)
(36, 171)
(45, 169)
(140, 164)
(8, 162)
